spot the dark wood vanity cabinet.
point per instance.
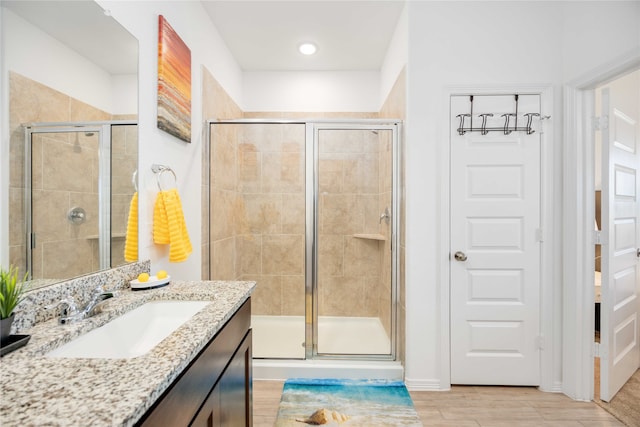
(215, 389)
(227, 404)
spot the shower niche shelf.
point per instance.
(370, 236)
(114, 236)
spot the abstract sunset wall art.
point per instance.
(174, 83)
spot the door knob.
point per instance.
(460, 256)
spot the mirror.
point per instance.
(72, 71)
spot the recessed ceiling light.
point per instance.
(307, 48)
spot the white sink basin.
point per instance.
(132, 334)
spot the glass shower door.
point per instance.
(258, 226)
(64, 204)
(354, 281)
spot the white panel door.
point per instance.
(620, 351)
(495, 223)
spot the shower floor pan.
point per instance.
(278, 349)
(283, 336)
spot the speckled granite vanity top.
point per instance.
(36, 390)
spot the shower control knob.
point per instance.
(77, 215)
(460, 256)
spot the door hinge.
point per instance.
(539, 235)
(596, 349)
(540, 342)
(601, 123)
(597, 237)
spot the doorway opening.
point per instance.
(617, 237)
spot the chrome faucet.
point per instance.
(70, 313)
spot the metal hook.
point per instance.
(506, 129)
(483, 129)
(159, 170)
(530, 117)
(461, 130)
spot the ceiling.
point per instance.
(264, 35)
(83, 26)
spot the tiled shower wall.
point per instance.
(220, 229)
(349, 235)
(124, 161)
(70, 180)
(271, 183)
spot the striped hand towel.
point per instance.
(131, 238)
(169, 226)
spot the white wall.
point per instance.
(396, 58)
(125, 94)
(596, 33)
(312, 91)
(33, 53)
(192, 24)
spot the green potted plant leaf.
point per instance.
(12, 292)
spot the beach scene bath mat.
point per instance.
(345, 403)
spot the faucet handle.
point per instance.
(67, 307)
(99, 290)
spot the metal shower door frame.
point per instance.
(103, 129)
(312, 127)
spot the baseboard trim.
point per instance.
(424, 385)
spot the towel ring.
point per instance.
(134, 180)
(159, 170)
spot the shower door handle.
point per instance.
(385, 215)
(460, 256)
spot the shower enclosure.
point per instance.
(79, 181)
(309, 210)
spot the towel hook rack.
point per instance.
(510, 121)
(159, 170)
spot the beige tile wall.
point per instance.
(124, 161)
(67, 181)
(349, 278)
(220, 228)
(271, 184)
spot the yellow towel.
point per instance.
(131, 238)
(169, 226)
(160, 222)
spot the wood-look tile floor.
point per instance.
(471, 406)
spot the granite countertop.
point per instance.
(38, 390)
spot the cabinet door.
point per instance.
(229, 403)
(209, 415)
(235, 388)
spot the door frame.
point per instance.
(549, 294)
(577, 225)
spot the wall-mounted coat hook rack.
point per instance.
(510, 121)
